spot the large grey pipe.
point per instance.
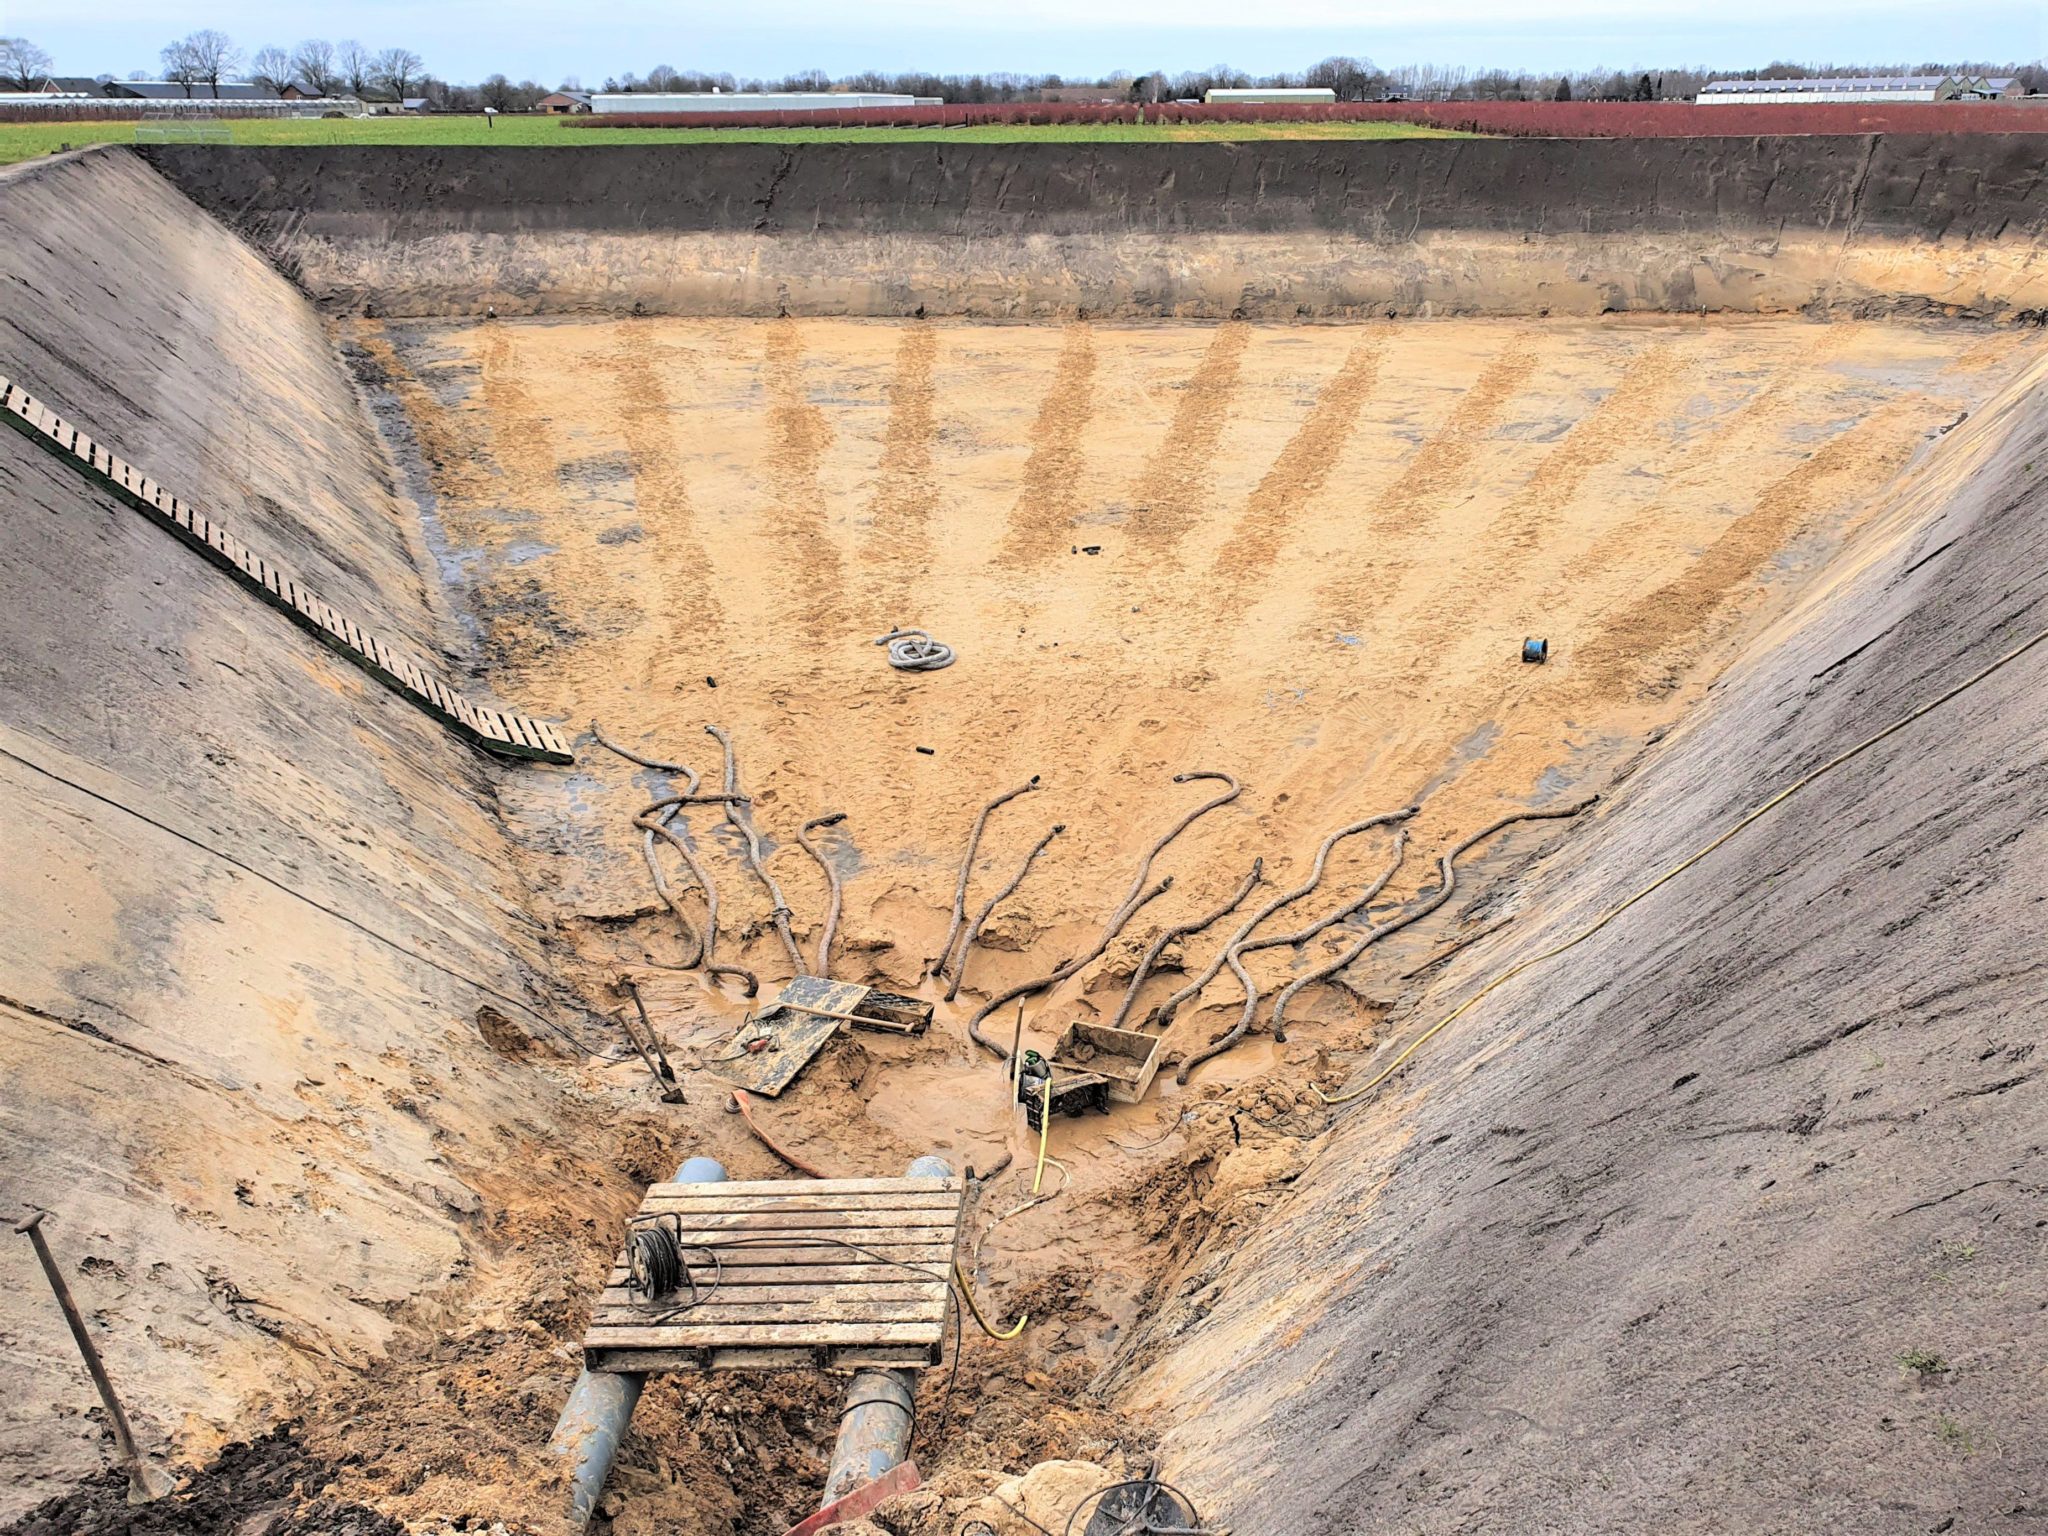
(880, 1412)
(600, 1407)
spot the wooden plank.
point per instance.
(810, 1187)
(798, 1262)
(772, 1335)
(732, 1293)
(768, 1231)
(714, 1313)
(837, 1358)
(782, 1276)
(911, 1200)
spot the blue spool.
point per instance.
(1535, 652)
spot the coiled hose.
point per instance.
(912, 650)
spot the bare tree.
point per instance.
(271, 68)
(357, 66)
(180, 66)
(398, 70)
(313, 66)
(496, 93)
(205, 57)
(22, 64)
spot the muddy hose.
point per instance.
(1163, 1014)
(712, 967)
(1179, 931)
(987, 1327)
(1336, 915)
(1234, 958)
(692, 940)
(739, 1098)
(832, 887)
(967, 865)
(1071, 968)
(1137, 898)
(597, 732)
(1448, 872)
(988, 908)
(744, 821)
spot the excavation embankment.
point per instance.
(1732, 1216)
(1878, 224)
(1727, 1216)
(258, 905)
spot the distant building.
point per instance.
(563, 102)
(1277, 97)
(198, 90)
(745, 101)
(1849, 90)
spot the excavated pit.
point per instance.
(302, 1023)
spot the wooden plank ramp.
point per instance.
(834, 1273)
(504, 735)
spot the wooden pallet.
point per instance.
(507, 735)
(789, 1295)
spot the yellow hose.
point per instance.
(1044, 1134)
(974, 1306)
(1675, 871)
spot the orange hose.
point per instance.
(739, 1097)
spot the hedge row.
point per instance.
(1538, 119)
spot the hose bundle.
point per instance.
(912, 650)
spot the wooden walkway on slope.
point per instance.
(504, 734)
(835, 1273)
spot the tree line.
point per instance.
(209, 58)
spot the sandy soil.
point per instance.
(1305, 555)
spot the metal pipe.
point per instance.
(146, 1483)
(600, 1408)
(881, 1407)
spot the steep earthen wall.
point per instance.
(1862, 225)
(1656, 1234)
(254, 901)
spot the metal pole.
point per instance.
(600, 1407)
(875, 1426)
(146, 1483)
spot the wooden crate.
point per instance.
(786, 1293)
(1128, 1059)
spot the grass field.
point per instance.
(25, 141)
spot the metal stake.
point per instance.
(146, 1483)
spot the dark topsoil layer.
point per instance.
(1929, 186)
(261, 1487)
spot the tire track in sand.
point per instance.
(1519, 548)
(519, 427)
(1277, 502)
(1173, 487)
(798, 436)
(1390, 543)
(898, 543)
(1043, 515)
(1649, 635)
(691, 612)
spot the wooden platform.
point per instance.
(790, 1294)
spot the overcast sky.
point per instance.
(467, 39)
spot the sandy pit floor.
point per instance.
(1303, 555)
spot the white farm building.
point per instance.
(1255, 96)
(1882, 88)
(749, 101)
